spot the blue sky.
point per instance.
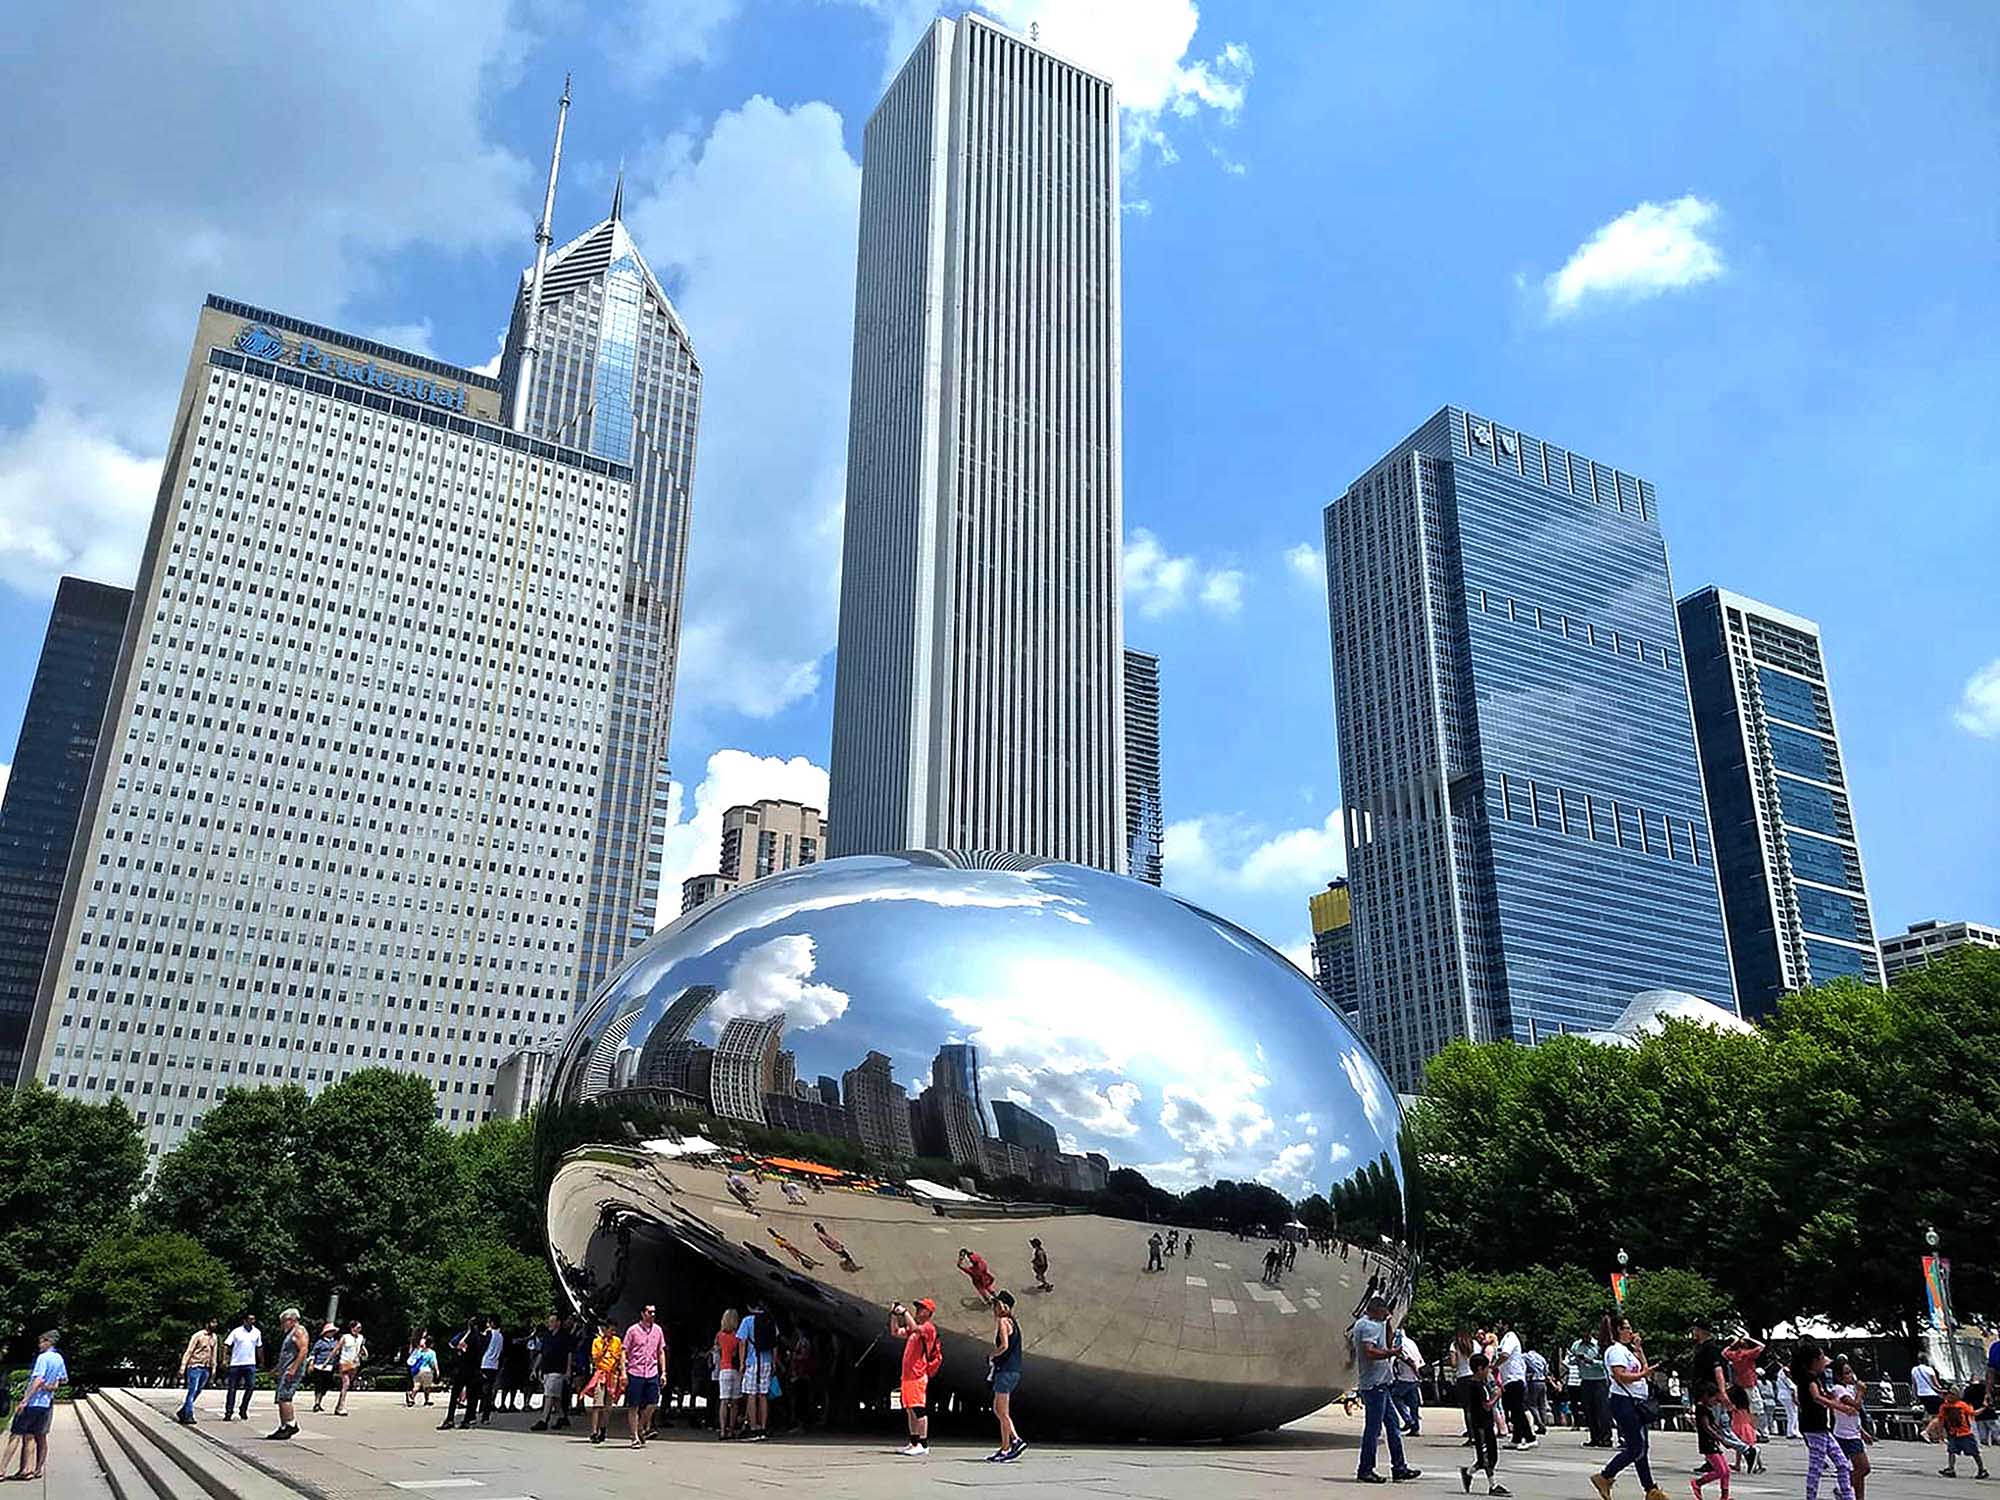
(1748, 252)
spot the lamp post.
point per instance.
(1940, 1270)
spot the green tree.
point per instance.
(489, 1279)
(386, 1197)
(1549, 1306)
(234, 1183)
(502, 1196)
(1663, 1305)
(135, 1298)
(68, 1171)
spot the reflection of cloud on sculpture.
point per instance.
(1290, 1171)
(775, 979)
(1362, 1076)
(1221, 1122)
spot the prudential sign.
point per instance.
(260, 342)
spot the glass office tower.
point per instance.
(1524, 818)
(50, 772)
(1145, 817)
(617, 376)
(1785, 845)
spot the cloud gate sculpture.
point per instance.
(821, 1089)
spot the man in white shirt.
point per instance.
(1512, 1373)
(489, 1371)
(1404, 1390)
(1924, 1386)
(245, 1344)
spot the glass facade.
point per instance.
(1792, 886)
(45, 790)
(1528, 842)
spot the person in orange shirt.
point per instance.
(728, 1377)
(1955, 1418)
(923, 1357)
(607, 1375)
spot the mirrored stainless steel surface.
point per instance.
(785, 1093)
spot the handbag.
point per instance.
(1647, 1408)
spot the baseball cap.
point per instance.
(926, 1304)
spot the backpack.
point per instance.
(764, 1333)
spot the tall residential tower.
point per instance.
(45, 787)
(1785, 845)
(1524, 818)
(615, 375)
(979, 696)
(343, 808)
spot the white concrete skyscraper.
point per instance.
(979, 696)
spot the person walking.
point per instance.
(1003, 1370)
(1375, 1346)
(464, 1399)
(1038, 1262)
(288, 1368)
(493, 1347)
(645, 1344)
(1955, 1417)
(756, 1348)
(1405, 1389)
(1925, 1385)
(31, 1417)
(923, 1357)
(323, 1364)
(423, 1367)
(197, 1369)
(728, 1377)
(1593, 1387)
(552, 1365)
(607, 1376)
(353, 1352)
(1538, 1389)
(1850, 1425)
(1630, 1402)
(1810, 1368)
(1187, 1246)
(1512, 1375)
(1708, 1442)
(245, 1344)
(1482, 1394)
(1788, 1401)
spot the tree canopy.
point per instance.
(135, 1298)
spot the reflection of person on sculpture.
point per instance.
(974, 1266)
(792, 1194)
(792, 1250)
(740, 1190)
(1039, 1264)
(923, 1356)
(847, 1262)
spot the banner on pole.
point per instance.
(1937, 1290)
(1618, 1287)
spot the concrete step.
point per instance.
(193, 1465)
(116, 1474)
(163, 1479)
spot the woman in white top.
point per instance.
(1848, 1429)
(1788, 1400)
(1625, 1363)
(353, 1349)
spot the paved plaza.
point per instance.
(385, 1451)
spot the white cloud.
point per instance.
(72, 500)
(261, 162)
(649, 39)
(1300, 954)
(414, 337)
(1978, 710)
(1158, 583)
(1645, 251)
(732, 777)
(1259, 879)
(753, 229)
(1290, 1171)
(775, 979)
(1306, 563)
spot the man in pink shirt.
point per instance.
(645, 1349)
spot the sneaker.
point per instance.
(999, 1455)
(445, 1425)
(280, 1435)
(912, 1450)
(544, 1426)
(1498, 1489)
(1949, 1473)
(1369, 1479)
(1531, 1443)
(1018, 1449)
(1465, 1480)
(1399, 1475)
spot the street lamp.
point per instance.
(1624, 1259)
(1931, 1236)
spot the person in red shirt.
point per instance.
(923, 1356)
(1955, 1420)
(974, 1265)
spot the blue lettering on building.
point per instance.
(260, 342)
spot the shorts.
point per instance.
(601, 1390)
(552, 1388)
(757, 1375)
(728, 1383)
(1006, 1382)
(424, 1379)
(915, 1394)
(642, 1390)
(31, 1421)
(1931, 1404)
(1967, 1445)
(287, 1385)
(1852, 1447)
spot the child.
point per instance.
(1955, 1420)
(1713, 1433)
(1481, 1395)
(1987, 1420)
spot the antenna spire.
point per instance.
(618, 194)
(524, 377)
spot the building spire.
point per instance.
(618, 194)
(524, 377)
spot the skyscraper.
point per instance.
(616, 375)
(1925, 941)
(745, 1067)
(45, 787)
(758, 839)
(1524, 819)
(879, 1105)
(345, 795)
(1792, 888)
(1145, 817)
(978, 702)
(1332, 913)
(1023, 1127)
